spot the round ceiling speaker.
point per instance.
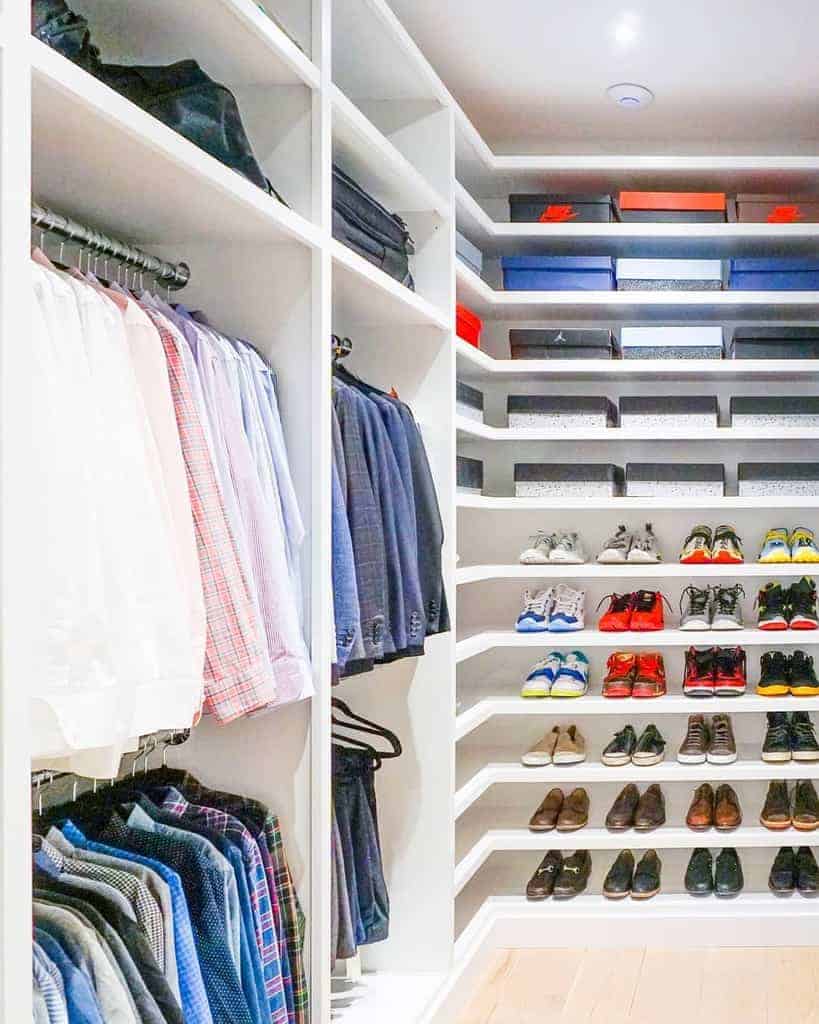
(630, 96)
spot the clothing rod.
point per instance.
(172, 275)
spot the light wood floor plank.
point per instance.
(671, 980)
(604, 987)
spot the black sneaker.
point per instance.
(803, 738)
(802, 605)
(620, 750)
(773, 607)
(802, 681)
(777, 745)
(650, 747)
(728, 878)
(782, 879)
(806, 872)
(774, 674)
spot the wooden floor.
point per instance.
(648, 986)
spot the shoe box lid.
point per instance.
(669, 270)
(468, 395)
(675, 472)
(776, 209)
(573, 263)
(672, 201)
(557, 207)
(673, 405)
(773, 405)
(576, 337)
(469, 472)
(773, 264)
(671, 337)
(753, 471)
(567, 405)
(596, 472)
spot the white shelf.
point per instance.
(491, 503)
(148, 182)
(628, 571)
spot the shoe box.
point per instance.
(671, 342)
(775, 209)
(673, 207)
(775, 342)
(469, 475)
(668, 275)
(775, 411)
(791, 479)
(558, 273)
(567, 480)
(774, 274)
(561, 343)
(468, 326)
(559, 208)
(674, 479)
(468, 401)
(468, 254)
(690, 412)
(574, 412)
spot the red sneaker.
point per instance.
(699, 680)
(649, 676)
(730, 675)
(617, 617)
(620, 670)
(648, 611)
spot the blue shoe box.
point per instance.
(795, 273)
(558, 273)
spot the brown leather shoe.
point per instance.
(545, 817)
(727, 813)
(575, 811)
(700, 815)
(621, 815)
(650, 813)
(776, 813)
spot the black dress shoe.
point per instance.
(699, 875)
(646, 881)
(782, 879)
(807, 872)
(728, 879)
(618, 880)
(574, 875)
(542, 882)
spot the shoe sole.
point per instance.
(617, 828)
(535, 764)
(568, 759)
(698, 828)
(802, 691)
(531, 629)
(775, 826)
(721, 758)
(647, 696)
(648, 828)
(726, 558)
(568, 693)
(617, 761)
(646, 760)
(804, 624)
(802, 827)
(697, 558)
(534, 694)
(572, 828)
(616, 895)
(728, 828)
(726, 625)
(775, 757)
(566, 560)
(774, 625)
(803, 559)
(644, 895)
(610, 557)
(695, 626)
(730, 691)
(642, 558)
(533, 560)
(776, 558)
(698, 691)
(805, 755)
(565, 628)
(774, 690)
(617, 695)
(537, 899)
(692, 758)
(541, 828)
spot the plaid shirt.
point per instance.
(237, 680)
(260, 896)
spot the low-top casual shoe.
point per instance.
(617, 617)
(620, 749)
(783, 874)
(803, 738)
(700, 815)
(621, 814)
(776, 746)
(650, 747)
(570, 747)
(644, 548)
(727, 547)
(727, 813)
(649, 676)
(647, 614)
(615, 550)
(727, 613)
(695, 608)
(646, 881)
(617, 884)
(802, 681)
(728, 878)
(774, 674)
(776, 547)
(773, 607)
(567, 549)
(699, 679)
(573, 677)
(802, 605)
(542, 883)
(543, 751)
(723, 748)
(694, 748)
(566, 612)
(730, 672)
(699, 875)
(545, 817)
(574, 814)
(776, 811)
(805, 813)
(803, 545)
(650, 813)
(540, 544)
(620, 669)
(574, 875)
(697, 549)
(541, 676)
(807, 872)
(535, 615)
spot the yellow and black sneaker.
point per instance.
(803, 545)
(774, 674)
(802, 676)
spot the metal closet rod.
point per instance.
(172, 275)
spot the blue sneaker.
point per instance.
(535, 615)
(566, 615)
(573, 677)
(542, 675)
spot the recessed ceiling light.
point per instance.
(625, 31)
(630, 96)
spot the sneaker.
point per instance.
(620, 749)
(617, 617)
(728, 878)
(535, 615)
(541, 676)
(573, 678)
(803, 545)
(774, 674)
(566, 613)
(647, 614)
(567, 549)
(542, 883)
(802, 681)
(695, 608)
(727, 608)
(723, 748)
(699, 680)
(650, 747)
(644, 547)
(776, 811)
(727, 549)
(620, 669)
(805, 814)
(803, 738)
(776, 547)
(570, 747)
(776, 747)
(649, 677)
(616, 548)
(802, 605)
(773, 608)
(697, 549)
(543, 751)
(540, 545)
(694, 748)
(730, 673)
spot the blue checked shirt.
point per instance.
(48, 981)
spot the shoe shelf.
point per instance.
(507, 503)
(631, 571)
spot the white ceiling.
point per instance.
(729, 75)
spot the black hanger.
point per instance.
(364, 725)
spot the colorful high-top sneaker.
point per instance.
(566, 614)
(573, 678)
(535, 615)
(648, 611)
(773, 607)
(699, 672)
(803, 545)
(802, 681)
(541, 676)
(697, 549)
(727, 549)
(776, 547)
(620, 669)
(649, 677)
(774, 674)
(802, 605)
(617, 617)
(730, 673)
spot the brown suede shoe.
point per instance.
(776, 813)
(650, 813)
(545, 817)
(621, 815)
(727, 814)
(575, 811)
(700, 815)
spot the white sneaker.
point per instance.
(537, 553)
(541, 676)
(617, 547)
(644, 547)
(567, 612)
(535, 615)
(567, 549)
(573, 678)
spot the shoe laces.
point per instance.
(802, 538)
(698, 599)
(728, 660)
(727, 598)
(720, 730)
(646, 540)
(541, 537)
(568, 601)
(771, 599)
(696, 732)
(536, 603)
(619, 602)
(778, 731)
(567, 541)
(701, 534)
(644, 600)
(803, 729)
(725, 535)
(618, 539)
